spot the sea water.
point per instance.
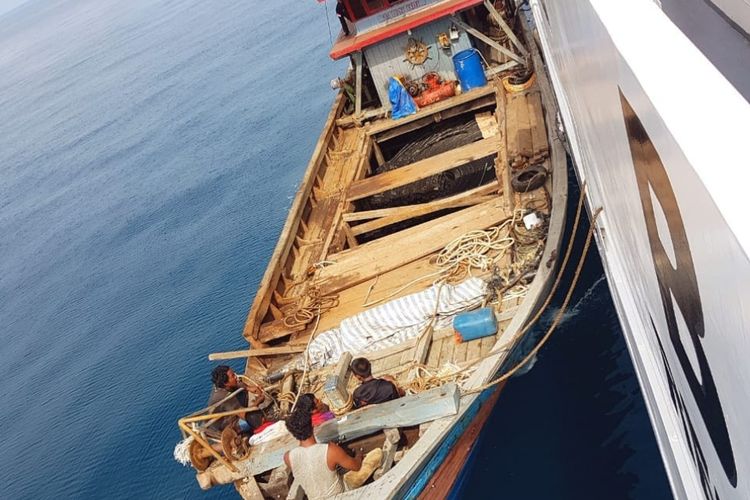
(149, 152)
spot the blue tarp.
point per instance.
(401, 102)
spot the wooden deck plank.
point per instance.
(474, 351)
(428, 208)
(422, 169)
(485, 101)
(485, 189)
(538, 130)
(434, 355)
(395, 250)
(487, 343)
(446, 352)
(383, 125)
(459, 354)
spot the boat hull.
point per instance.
(661, 156)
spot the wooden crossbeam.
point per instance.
(422, 169)
(395, 250)
(413, 409)
(489, 188)
(489, 41)
(268, 351)
(384, 125)
(463, 200)
(457, 110)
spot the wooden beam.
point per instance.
(502, 167)
(422, 169)
(267, 351)
(384, 125)
(504, 26)
(395, 250)
(458, 201)
(486, 189)
(276, 329)
(390, 447)
(248, 489)
(357, 56)
(378, 153)
(489, 41)
(494, 70)
(458, 109)
(413, 409)
(335, 386)
(350, 234)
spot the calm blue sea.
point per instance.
(149, 151)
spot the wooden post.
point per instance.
(378, 153)
(502, 167)
(335, 385)
(248, 489)
(287, 387)
(358, 83)
(392, 437)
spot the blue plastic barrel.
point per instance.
(475, 324)
(469, 69)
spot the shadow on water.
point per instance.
(576, 425)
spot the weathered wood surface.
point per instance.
(384, 125)
(392, 251)
(502, 166)
(403, 412)
(335, 387)
(271, 276)
(390, 447)
(461, 200)
(485, 189)
(422, 169)
(248, 489)
(268, 351)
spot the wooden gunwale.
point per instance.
(288, 233)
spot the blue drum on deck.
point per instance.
(468, 65)
(475, 324)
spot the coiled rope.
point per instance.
(562, 309)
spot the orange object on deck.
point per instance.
(435, 93)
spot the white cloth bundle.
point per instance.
(396, 321)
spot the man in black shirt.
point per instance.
(225, 382)
(372, 390)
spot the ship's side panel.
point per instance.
(661, 139)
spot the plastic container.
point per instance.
(469, 69)
(475, 324)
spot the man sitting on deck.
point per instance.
(225, 382)
(372, 390)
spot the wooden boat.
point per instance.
(382, 205)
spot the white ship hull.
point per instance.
(661, 139)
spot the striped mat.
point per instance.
(395, 322)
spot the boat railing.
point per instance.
(196, 424)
